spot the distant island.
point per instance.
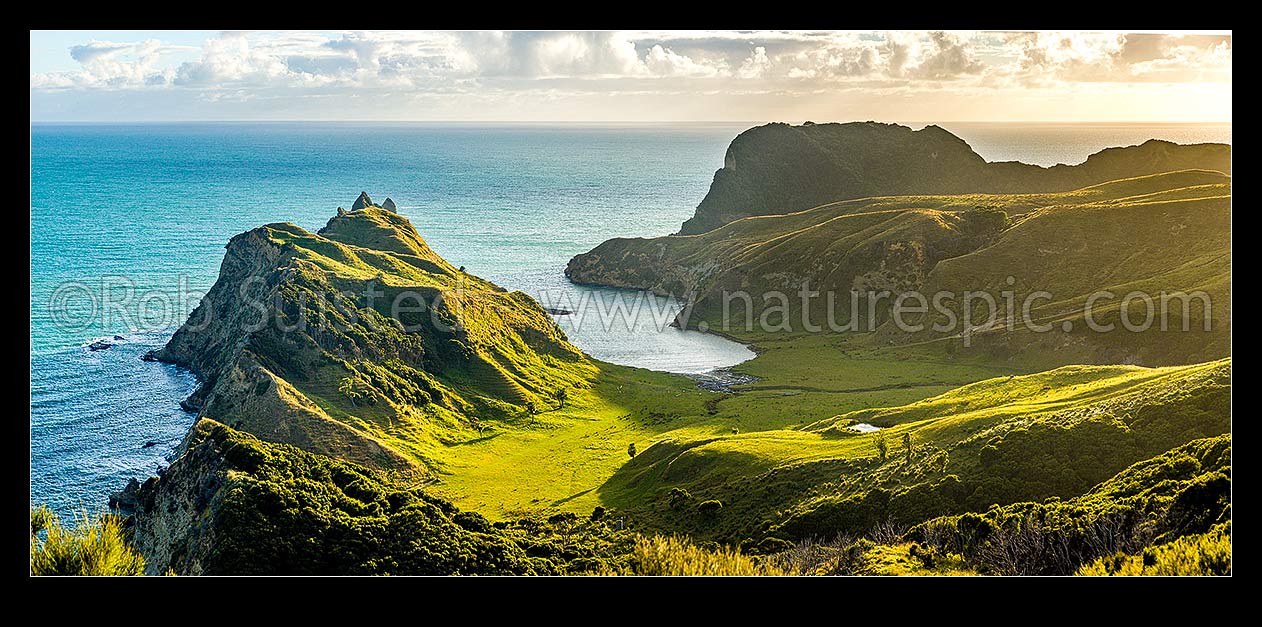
(367, 408)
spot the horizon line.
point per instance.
(422, 121)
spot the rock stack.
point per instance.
(362, 202)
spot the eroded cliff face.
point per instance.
(174, 517)
(780, 168)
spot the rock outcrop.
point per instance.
(388, 205)
(363, 202)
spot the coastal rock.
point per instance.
(173, 516)
(388, 205)
(125, 500)
(149, 444)
(100, 345)
(119, 337)
(149, 356)
(362, 202)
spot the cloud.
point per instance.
(755, 65)
(496, 63)
(109, 64)
(94, 51)
(1047, 58)
(230, 60)
(664, 62)
(547, 55)
(947, 56)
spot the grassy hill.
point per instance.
(1169, 515)
(366, 407)
(780, 168)
(1005, 440)
(299, 342)
(1168, 232)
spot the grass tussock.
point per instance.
(1207, 554)
(659, 556)
(94, 546)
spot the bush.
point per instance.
(94, 547)
(678, 498)
(674, 556)
(1182, 492)
(710, 507)
(473, 521)
(1205, 554)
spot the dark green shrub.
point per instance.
(678, 498)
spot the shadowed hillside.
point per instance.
(1167, 232)
(780, 168)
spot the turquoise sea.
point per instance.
(128, 225)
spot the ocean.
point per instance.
(128, 225)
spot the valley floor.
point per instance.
(562, 459)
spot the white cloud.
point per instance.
(1047, 58)
(946, 56)
(284, 67)
(109, 64)
(664, 62)
(755, 65)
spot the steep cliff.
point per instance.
(780, 168)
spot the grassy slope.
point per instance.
(1117, 236)
(771, 453)
(1001, 440)
(561, 460)
(1174, 508)
(413, 392)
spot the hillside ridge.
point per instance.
(780, 168)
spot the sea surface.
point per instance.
(128, 225)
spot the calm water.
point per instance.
(1048, 144)
(129, 223)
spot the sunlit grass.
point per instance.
(94, 546)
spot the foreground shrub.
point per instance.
(95, 546)
(1204, 554)
(674, 556)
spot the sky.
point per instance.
(632, 76)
